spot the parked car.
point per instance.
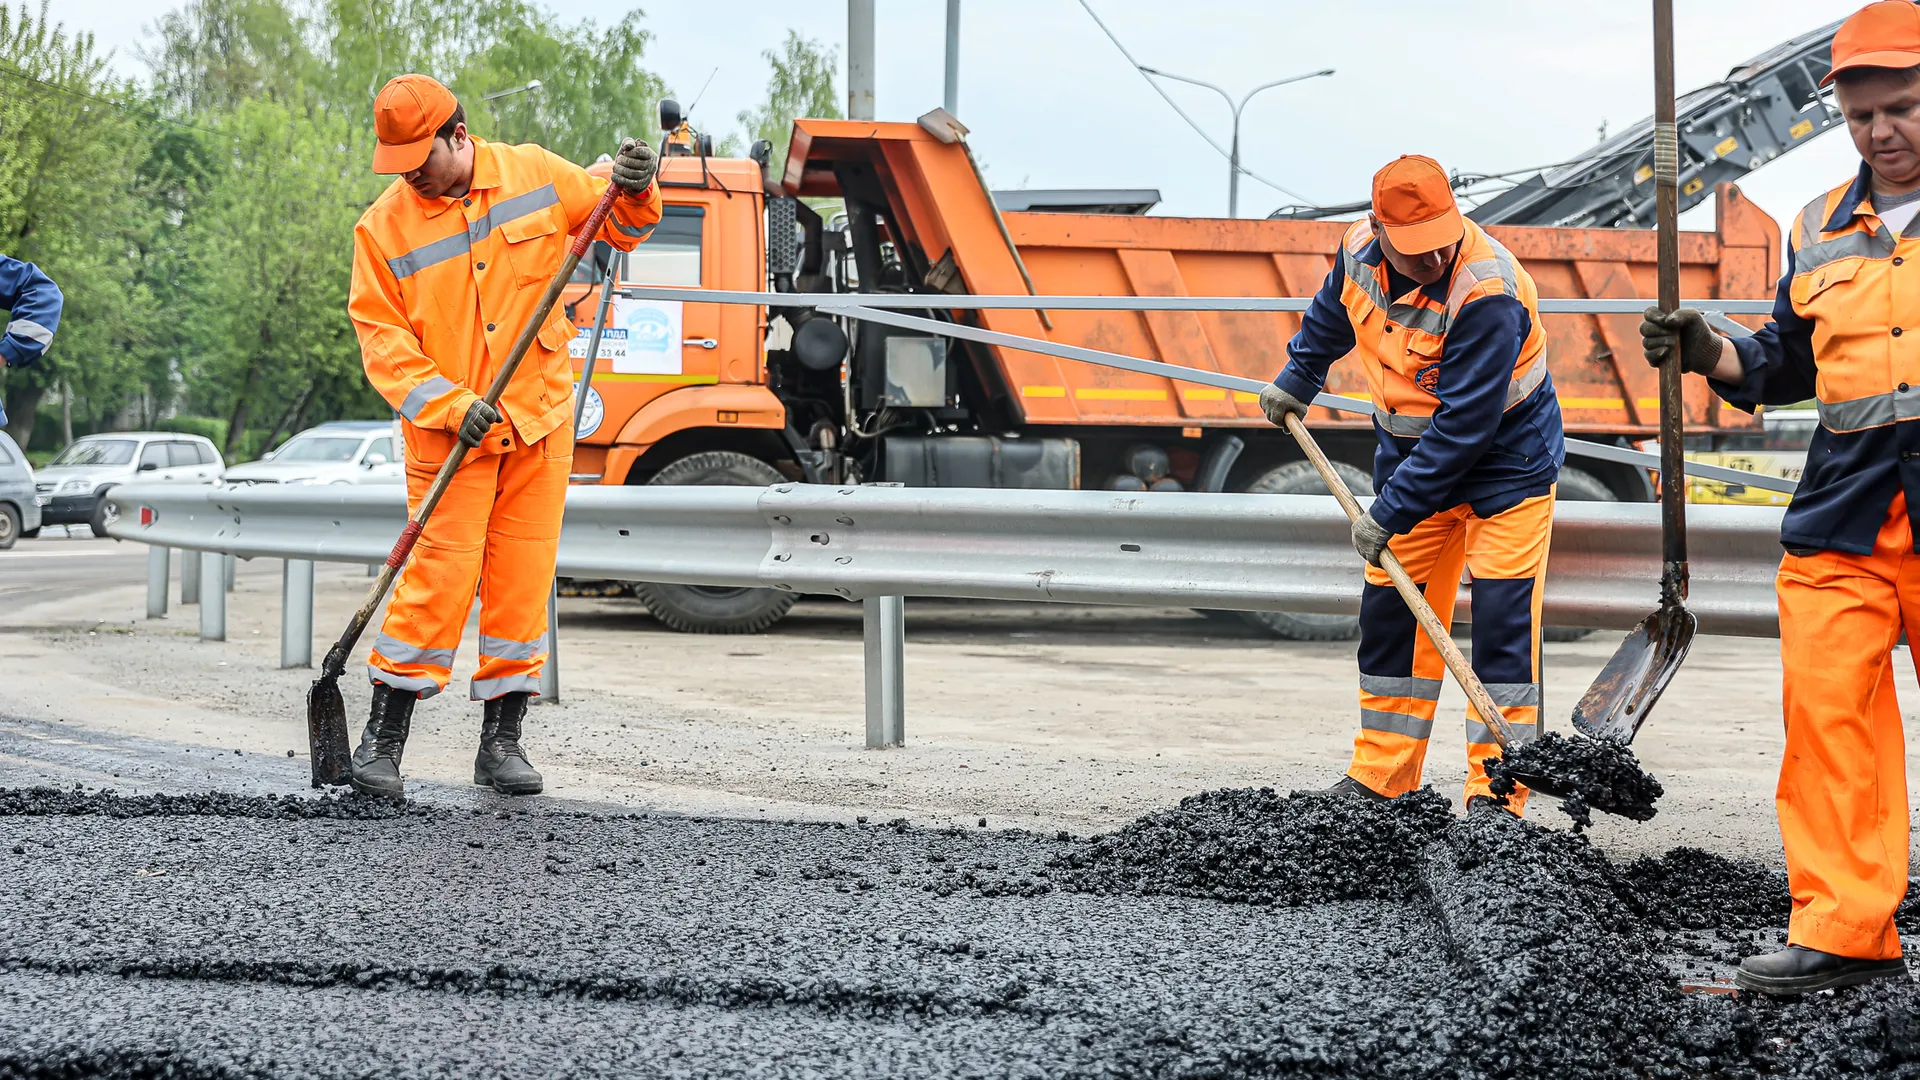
(342, 452)
(1778, 449)
(74, 481)
(19, 502)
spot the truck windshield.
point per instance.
(96, 452)
(316, 448)
(671, 256)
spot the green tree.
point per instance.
(800, 84)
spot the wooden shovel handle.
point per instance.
(1439, 634)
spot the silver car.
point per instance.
(19, 502)
(341, 452)
(74, 482)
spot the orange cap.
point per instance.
(1885, 34)
(1414, 203)
(406, 113)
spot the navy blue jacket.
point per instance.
(34, 304)
(1474, 452)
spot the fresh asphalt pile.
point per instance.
(1242, 933)
(1586, 774)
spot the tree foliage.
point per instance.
(799, 84)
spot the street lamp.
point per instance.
(1233, 158)
(532, 86)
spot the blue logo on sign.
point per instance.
(649, 331)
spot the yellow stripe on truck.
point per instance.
(1096, 394)
(1043, 391)
(1593, 403)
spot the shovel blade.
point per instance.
(1625, 691)
(327, 733)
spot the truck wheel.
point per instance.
(1300, 478)
(103, 516)
(1577, 485)
(706, 609)
(9, 526)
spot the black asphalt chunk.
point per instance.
(234, 936)
(1585, 774)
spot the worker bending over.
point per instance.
(1845, 329)
(449, 264)
(33, 304)
(1444, 322)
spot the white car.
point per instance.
(342, 452)
(74, 481)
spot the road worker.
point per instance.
(1444, 322)
(1843, 330)
(33, 303)
(448, 266)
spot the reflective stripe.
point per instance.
(510, 209)
(1877, 410)
(1397, 723)
(508, 649)
(1409, 426)
(1478, 732)
(1501, 266)
(430, 254)
(32, 331)
(488, 689)
(643, 232)
(1396, 686)
(1813, 217)
(426, 688)
(401, 652)
(1854, 245)
(1513, 695)
(1425, 319)
(420, 396)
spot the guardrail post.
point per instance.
(213, 598)
(296, 614)
(189, 577)
(884, 623)
(550, 672)
(230, 569)
(158, 560)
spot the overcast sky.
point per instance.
(1482, 85)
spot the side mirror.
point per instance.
(373, 461)
(670, 116)
(761, 152)
(268, 456)
(149, 466)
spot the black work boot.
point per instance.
(1797, 970)
(376, 764)
(1353, 789)
(501, 764)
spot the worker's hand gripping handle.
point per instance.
(1439, 634)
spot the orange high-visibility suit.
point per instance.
(441, 288)
(1845, 330)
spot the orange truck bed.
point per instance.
(934, 206)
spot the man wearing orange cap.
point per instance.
(449, 264)
(1445, 323)
(1845, 330)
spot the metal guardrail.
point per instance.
(878, 544)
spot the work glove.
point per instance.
(1277, 403)
(1370, 538)
(1699, 345)
(480, 418)
(634, 167)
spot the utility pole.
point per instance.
(859, 59)
(1233, 157)
(952, 99)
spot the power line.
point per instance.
(9, 69)
(1217, 148)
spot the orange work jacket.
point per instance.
(442, 287)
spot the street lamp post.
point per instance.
(1233, 158)
(533, 86)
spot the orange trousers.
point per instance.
(1401, 671)
(1842, 798)
(497, 528)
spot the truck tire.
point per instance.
(1300, 478)
(704, 609)
(1577, 485)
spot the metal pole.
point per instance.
(189, 577)
(213, 598)
(952, 98)
(157, 559)
(229, 570)
(884, 625)
(615, 269)
(296, 614)
(550, 672)
(1233, 169)
(859, 59)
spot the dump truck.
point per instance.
(710, 393)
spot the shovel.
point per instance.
(326, 713)
(1625, 692)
